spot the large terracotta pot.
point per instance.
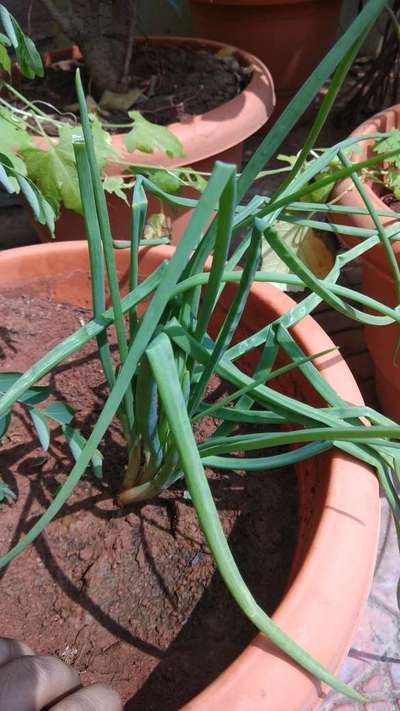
(377, 276)
(290, 36)
(339, 497)
(215, 135)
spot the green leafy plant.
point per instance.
(168, 355)
(389, 174)
(43, 166)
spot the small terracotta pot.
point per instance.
(290, 36)
(215, 135)
(377, 275)
(339, 497)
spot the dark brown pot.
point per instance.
(290, 36)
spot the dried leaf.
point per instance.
(226, 52)
(111, 100)
(91, 104)
(312, 248)
(158, 225)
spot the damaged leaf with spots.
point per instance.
(157, 226)
(313, 248)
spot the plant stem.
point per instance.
(129, 47)
(32, 106)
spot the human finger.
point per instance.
(97, 697)
(12, 649)
(33, 682)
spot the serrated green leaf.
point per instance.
(41, 425)
(391, 143)
(115, 184)
(166, 180)
(14, 137)
(102, 141)
(54, 173)
(60, 412)
(392, 180)
(194, 179)
(14, 131)
(148, 137)
(392, 175)
(5, 60)
(54, 170)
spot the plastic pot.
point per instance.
(215, 135)
(339, 497)
(290, 36)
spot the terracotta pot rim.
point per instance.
(215, 131)
(347, 195)
(368, 126)
(316, 611)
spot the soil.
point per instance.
(391, 201)
(173, 82)
(127, 596)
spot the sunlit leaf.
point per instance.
(149, 137)
(115, 184)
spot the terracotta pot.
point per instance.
(215, 135)
(377, 275)
(339, 497)
(290, 36)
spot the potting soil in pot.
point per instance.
(127, 596)
(172, 82)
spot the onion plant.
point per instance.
(167, 354)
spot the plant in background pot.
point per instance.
(209, 319)
(209, 99)
(377, 186)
